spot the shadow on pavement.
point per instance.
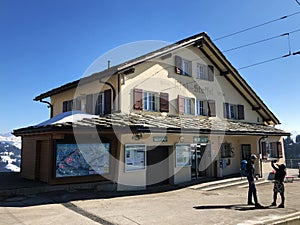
(238, 207)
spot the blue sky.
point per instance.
(44, 44)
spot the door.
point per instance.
(157, 172)
(197, 153)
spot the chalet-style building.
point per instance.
(176, 114)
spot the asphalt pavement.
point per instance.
(217, 202)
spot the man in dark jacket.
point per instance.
(251, 180)
(278, 183)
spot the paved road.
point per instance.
(181, 206)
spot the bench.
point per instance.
(289, 179)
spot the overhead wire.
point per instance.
(266, 61)
(263, 40)
(256, 26)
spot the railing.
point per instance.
(292, 163)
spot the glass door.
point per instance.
(197, 151)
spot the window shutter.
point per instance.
(107, 101)
(98, 105)
(210, 73)
(138, 99)
(241, 112)
(264, 150)
(65, 106)
(89, 104)
(180, 100)
(164, 102)
(178, 64)
(226, 110)
(212, 108)
(77, 103)
(279, 150)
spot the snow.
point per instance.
(9, 138)
(12, 168)
(70, 116)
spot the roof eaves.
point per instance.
(235, 75)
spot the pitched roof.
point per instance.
(201, 41)
(119, 122)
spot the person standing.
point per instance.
(278, 183)
(251, 177)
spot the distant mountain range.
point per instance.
(10, 153)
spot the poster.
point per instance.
(135, 157)
(82, 159)
(183, 155)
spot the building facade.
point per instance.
(172, 115)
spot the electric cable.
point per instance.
(266, 61)
(256, 26)
(256, 42)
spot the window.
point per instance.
(232, 111)
(246, 151)
(226, 150)
(67, 105)
(271, 150)
(183, 66)
(205, 72)
(187, 106)
(99, 103)
(201, 108)
(82, 159)
(135, 157)
(150, 101)
(186, 67)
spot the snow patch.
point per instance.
(66, 117)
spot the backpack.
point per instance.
(243, 168)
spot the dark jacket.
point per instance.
(279, 172)
(250, 170)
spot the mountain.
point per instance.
(10, 153)
(11, 139)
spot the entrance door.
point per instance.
(157, 165)
(197, 151)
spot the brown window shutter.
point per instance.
(89, 104)
(164, 102)
(264, 150)
(210, 73)
(212, 108)
(138, 99)
(226, 110)
(178, 64)
(65, 106)
(241, 112)
(180, 104)
(279, 150)
(107, 101)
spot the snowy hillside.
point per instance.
(10, 154)
(9, 138)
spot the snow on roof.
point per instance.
(70, 116)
